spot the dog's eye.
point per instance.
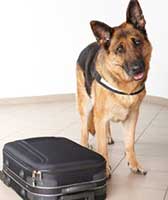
(120, 49)
(136, 42)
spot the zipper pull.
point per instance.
(36, 176)
(39, 175)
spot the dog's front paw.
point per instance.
(136, 167)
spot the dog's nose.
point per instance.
(136, 68)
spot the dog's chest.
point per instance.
(114, 107)
(119, 110)
(117, 113)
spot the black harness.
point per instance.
(105, 84)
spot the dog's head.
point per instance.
(126, 48)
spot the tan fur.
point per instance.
(83, 102)
(110, 106)
(91, 127)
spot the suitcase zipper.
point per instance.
(37, 174)
(50, 191)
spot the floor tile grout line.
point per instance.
(149, 124)
(118, 164)
(165, 195)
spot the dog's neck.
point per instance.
(126, 86)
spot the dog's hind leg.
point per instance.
(109, 135)
(84, 106)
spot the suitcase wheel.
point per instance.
(6, 163)
(23, 193)
(21, 173)
(6, 180)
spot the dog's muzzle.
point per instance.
(136, 69)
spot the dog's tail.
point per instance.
(91, 126)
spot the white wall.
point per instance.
(41, 39)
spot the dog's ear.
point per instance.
(102, 32)
(135, 15)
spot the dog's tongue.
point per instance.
(138, 76)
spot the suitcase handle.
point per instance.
(76, 189)
(83, 195)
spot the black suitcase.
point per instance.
(50, 168)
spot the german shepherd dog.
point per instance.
(111, 75)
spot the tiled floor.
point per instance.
(61, 119)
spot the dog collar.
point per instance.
(105, 84)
